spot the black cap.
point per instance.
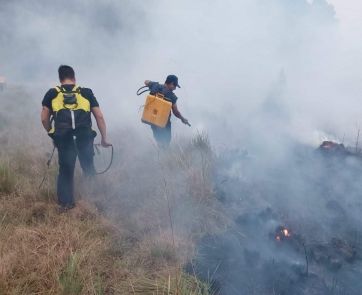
(172, 79)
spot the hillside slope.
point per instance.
(121, 238)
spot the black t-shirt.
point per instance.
(156, 87)
(85, 92)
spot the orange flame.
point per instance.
(282, 234)
(286, 232)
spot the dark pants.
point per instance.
(162, 135)
(68, 149)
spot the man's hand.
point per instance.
(177, 113)
(105, 143)
(185, 121)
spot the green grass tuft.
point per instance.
(69, 279)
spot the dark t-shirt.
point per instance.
(156, 87)
(85, 92)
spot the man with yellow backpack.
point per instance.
(71, 106)
(162, 135)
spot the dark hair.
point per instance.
(66, 72)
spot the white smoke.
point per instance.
(258, 75)
(228, 56)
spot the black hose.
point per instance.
(97, 173)
(48, 166)
(110, 162)
(143, 87)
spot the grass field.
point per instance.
(121, 238)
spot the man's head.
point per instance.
(172, 82)
(66, 74)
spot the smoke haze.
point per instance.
(267, 80)
(230, 57)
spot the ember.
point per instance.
(333, 148)
(282, 233)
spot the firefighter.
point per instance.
(71, 106)
(163, 135)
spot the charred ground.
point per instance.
(296, 224)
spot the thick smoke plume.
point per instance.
(230, 57)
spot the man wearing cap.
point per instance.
(163, 135)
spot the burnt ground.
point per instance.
(296, 225)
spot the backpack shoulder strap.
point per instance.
(60, 88)
(76, 88)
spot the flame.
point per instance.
(282, 233)
(286, 232)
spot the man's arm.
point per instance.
(45, 118)
(177, 114)
(101, 123)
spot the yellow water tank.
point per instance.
(156, 110)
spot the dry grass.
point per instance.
(80, 252)
(7, 179)
(41, 251)
(180, 285)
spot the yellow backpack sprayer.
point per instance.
(157, 108)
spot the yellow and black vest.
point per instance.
(71, 111)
